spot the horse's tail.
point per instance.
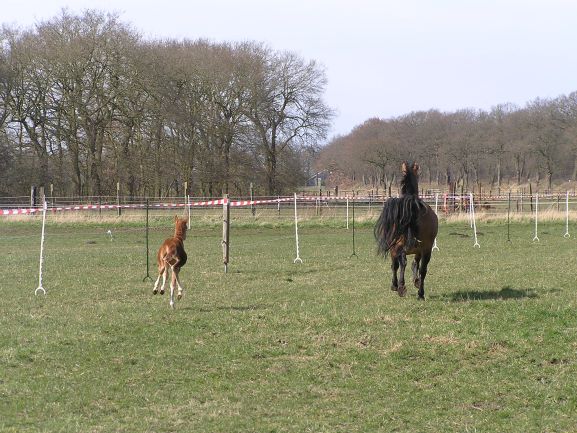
(397, 220)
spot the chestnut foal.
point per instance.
(171, 254)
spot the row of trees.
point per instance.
(508, 144)
(86, 102)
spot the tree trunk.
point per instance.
(271, 173)
(499, 176)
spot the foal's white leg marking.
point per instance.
(180, 289)
(163, 280)
(172, 290)
(155, 290)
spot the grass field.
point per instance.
(273, 346)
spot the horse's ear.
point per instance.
(404, 168)
(416, 168)
(176, 218)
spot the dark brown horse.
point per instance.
(407, 225)
(171, 255)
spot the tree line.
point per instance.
(86, 102)
(505, 147)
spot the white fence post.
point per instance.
(435, 247)
(567, 235)
(225, 231)
(474, 222)
(471, 209)
(298, 257)
(40, 288)
(536, 238)
(188, 206)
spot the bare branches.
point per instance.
(508, 143)
(94, 104)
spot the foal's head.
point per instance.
(410, 180)
(180, 227)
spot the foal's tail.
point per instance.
(167, 255)
(398, 220)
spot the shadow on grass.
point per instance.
(505, 294)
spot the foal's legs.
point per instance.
(175, 282)
(172, 288)
(402, 290)
(424, 264)
(164, 275)
(161, 273)
(415, 266)
(175, 277)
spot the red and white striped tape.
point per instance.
(206, 203)
(19, 211)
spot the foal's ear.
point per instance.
(416, 168)
(404, 167)
(176, 218)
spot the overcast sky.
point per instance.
(383, 58)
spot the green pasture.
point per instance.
(273, 346)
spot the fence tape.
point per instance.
(205, 203)
(220, 202)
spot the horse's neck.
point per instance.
(178, 234)
(409, 186)
(412, 192)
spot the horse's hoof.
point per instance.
(162, 292)
(154, 292)
(179, 296)
(421, 298)
(394, 288)
(402, 291)
(417, 283)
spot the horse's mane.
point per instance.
(410, 180)
(180, 228)
(399, 216)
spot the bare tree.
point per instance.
(5, 79)
(286, 108)
(546, 137)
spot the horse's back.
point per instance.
(428, 225)
(401, 219)
(181, 254)
(171, 249)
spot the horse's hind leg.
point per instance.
(394, 268)
(172, 284)
(164, 275)
(160, 274)
(175, 276)
(402, 290)
(423, 273)
(415, 267)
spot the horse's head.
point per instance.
(410, 180)
(181, 225)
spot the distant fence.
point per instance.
(309, 206)
(281, 206)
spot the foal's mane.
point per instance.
(180, 227)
